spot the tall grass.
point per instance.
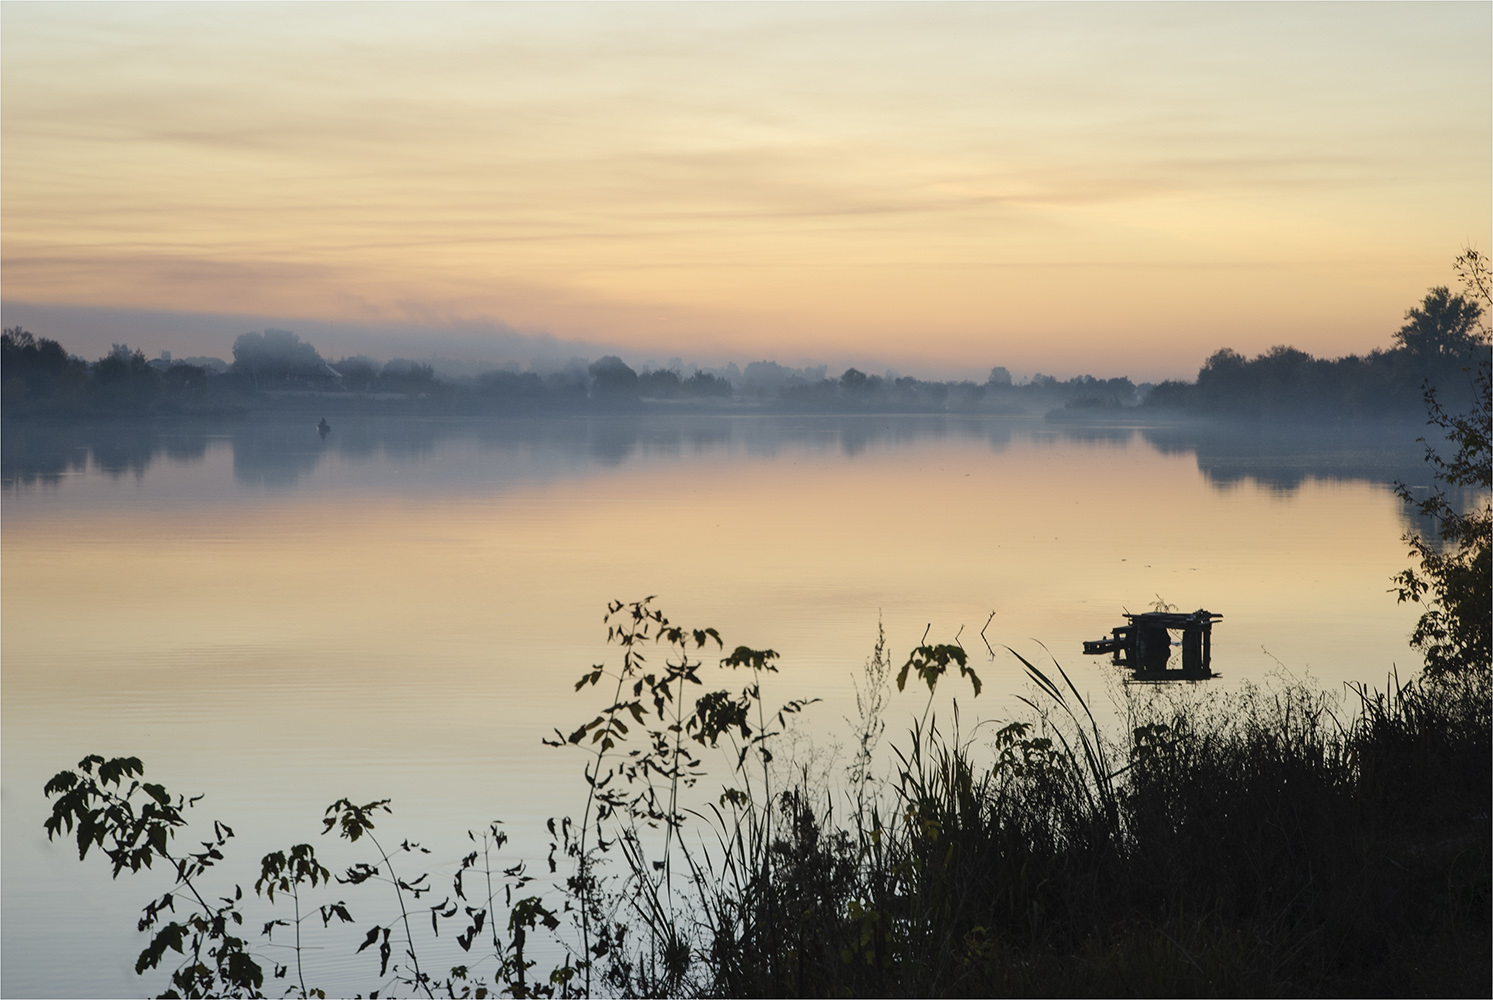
(1273, 841)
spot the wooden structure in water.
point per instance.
(1145, 645)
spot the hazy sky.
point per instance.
(1110, 188)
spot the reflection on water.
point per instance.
(402, 608)
(276, 454)
(1283, 458)
(273, 455)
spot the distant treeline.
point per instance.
(276, 368)
(41, 378)
(1441, 344)
(1442, 340)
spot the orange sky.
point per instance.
(1072, 188)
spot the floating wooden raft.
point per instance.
(1145, 645)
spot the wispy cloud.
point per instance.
(749, 174)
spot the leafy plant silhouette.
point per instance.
(1454, 581)
(134, 826)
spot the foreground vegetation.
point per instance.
(1269, 842)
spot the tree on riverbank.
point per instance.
(1454, 581)
(42, 380)
(39, 376)
(1445, 326)
(279, 357)
(1443, 336)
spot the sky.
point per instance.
(1068, 188)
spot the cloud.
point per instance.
(845, 176)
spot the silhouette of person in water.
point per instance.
(323, 428)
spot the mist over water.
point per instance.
(400, 609)
(280, 453)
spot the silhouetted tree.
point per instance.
(1455, 578)
(275, 356)
(761, 378)
(706, 384)
(1444, 326)
(22, 354)
(359, 374)
(37, 373)
(662, 383)
(1171, 394)
(402, 375)
(526, 386)
(610, 376)
(124, 381)
(183, 377)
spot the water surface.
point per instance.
(401, 610)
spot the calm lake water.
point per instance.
(401, 610)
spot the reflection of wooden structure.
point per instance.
(1145, 645)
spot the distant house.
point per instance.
(320, 377)
(326, 378)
